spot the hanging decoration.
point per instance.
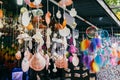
(85, 44)
(73, 12)
(26, 18)
(91, 31)
(18, 55)
(61, 62)
(42, 38)
(34, 4)
(65, 2)
(1, 13)
(47, 17)
(75, 60)
(64, 32)
(37, 62)
(20, 2)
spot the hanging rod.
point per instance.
(77, 16)
(109, 11)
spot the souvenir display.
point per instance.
(50, 43)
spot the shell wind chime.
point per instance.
(42, 42)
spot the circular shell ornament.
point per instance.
(64, 32)
(23, 9)
(73, 12)
(58, 14)
(91, 31)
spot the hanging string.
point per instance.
(13, 36)
(82, 36)
(38, 19)
(2, 46)
(1, 4)
(117, 36)
(47, 10)
(58, 18)
(72, 5)
(53, 12)
(25, 45)
(58, 8)
(112, 31)
(19, 47)
(64, 13)
(47, 5)
(64, 7)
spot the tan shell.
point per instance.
(61, 62)
(32, 5)
(47, 17)
(36, 19)
(1, 13)
(30, 26)
(58, 26)
(37, 62)
(41, 26)
(18, 55)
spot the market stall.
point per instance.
(58, 40)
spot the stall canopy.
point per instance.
(94, 12)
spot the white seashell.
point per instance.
(25, 64)
(73, 12)
(58, 14)
(30, 44)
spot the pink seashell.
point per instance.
(70, 59)
(47, 17)
(27, 1)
